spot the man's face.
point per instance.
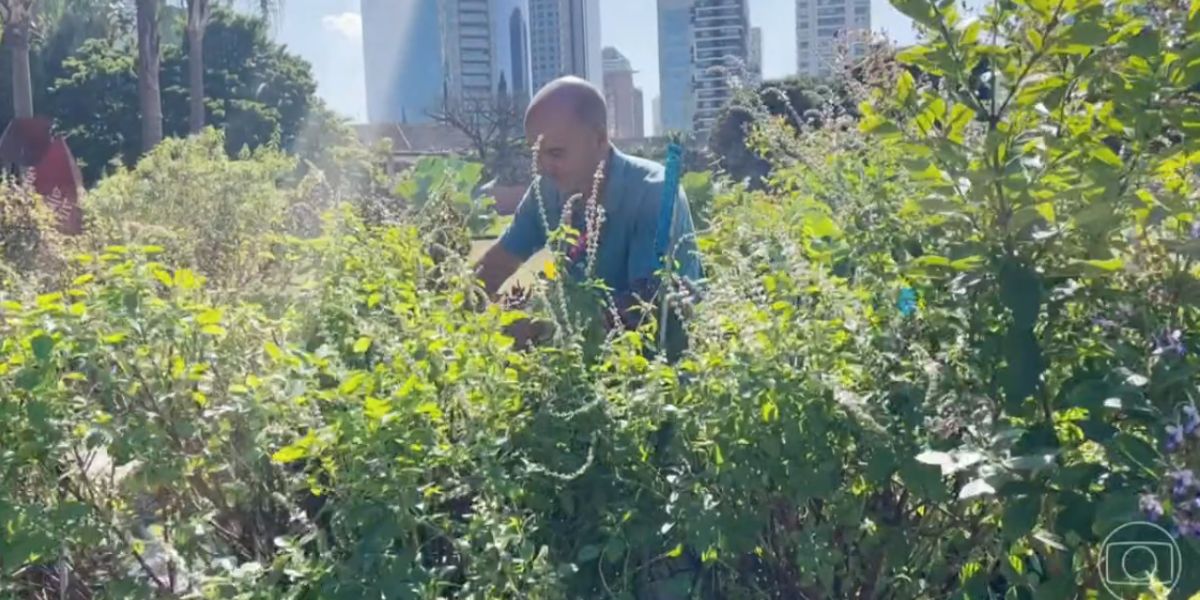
(570, 149)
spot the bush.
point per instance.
(943, 353)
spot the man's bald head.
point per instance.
(574, 96)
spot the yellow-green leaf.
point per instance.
(272, 350)
(376, 408)
(362, 344)
(905, 87)
(47, 299)
(431, 409)
(374, 299)
(82, 279)
(676, 552)
(770, 411)
(1105, 155)
(1112, 264)
(215, 330)
(1034, 37)
(209, 317)
(352, 383)
(115, 338)
(163, 277)
(77, 309)
(289, 454)
(185, 279)
(551, 270)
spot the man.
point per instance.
(570, 116)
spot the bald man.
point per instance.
(571, 117)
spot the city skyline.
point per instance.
(329, 35)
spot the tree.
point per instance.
(57, 34)
(257, 92)
(18, 19)
(198, 13)
(794, 99)
(148, 65)
(494, 126)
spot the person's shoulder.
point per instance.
(643, 170)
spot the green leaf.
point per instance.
(289, 454)
(969, 263)
(675, 552)
(1020, 516)
(41, 346)
(588, 553)
(362, 344)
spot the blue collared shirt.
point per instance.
(632, 197)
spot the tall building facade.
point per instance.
(822, 26)
(722, 52)
(404, 59)
(565, 40)
(756, 54)
(625, 112)
(675, 64)
(487, 44)
(418, 52)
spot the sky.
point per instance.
(328, 33)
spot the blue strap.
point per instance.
(667, 205)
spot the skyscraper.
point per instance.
(487, 42)
(756, 54)
(624, 100)
(821, 25)
(404, 59)
(675, 64)
(722, 52)
(565, 40)
(416, 52)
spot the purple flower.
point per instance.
(1151, 507)
(1183, 483)
(1191, 419)
(1174, 438)
(1170, 343)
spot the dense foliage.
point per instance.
(944, 352)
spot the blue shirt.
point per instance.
(632, 198)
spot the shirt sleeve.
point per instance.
(681, 247)
(524, 234)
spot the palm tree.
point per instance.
(17, 17)
(149, 57)
(198, 14)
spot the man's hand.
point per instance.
(495, 267)
(527, 333)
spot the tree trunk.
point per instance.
(17, 37)
(149, 93)
(195, 35)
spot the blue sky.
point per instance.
(328, 33)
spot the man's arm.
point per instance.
(520, 240)
(495, 267)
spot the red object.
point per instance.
(28, 144)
